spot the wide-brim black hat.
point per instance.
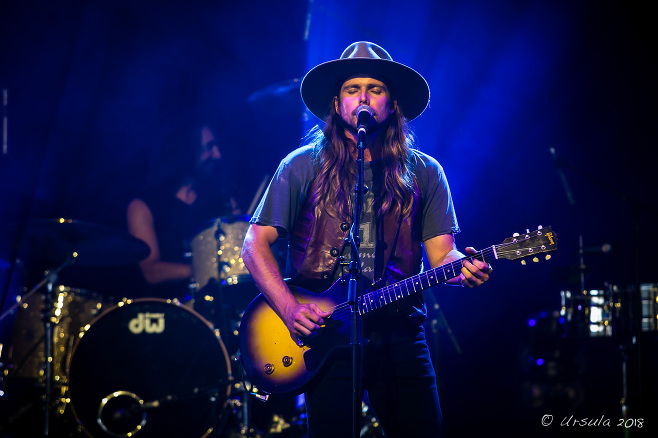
(406, 85)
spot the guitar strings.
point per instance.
(341, 311)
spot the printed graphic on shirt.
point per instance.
(367, 234)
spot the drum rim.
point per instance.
(210, 223)
(174, 303)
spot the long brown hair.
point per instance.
(336, 167)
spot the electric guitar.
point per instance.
(277, 364)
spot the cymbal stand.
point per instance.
(48, 349)
(439, 321)
(38, 286)
(49, 280)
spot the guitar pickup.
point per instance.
(329, 326)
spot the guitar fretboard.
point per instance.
(381, 297)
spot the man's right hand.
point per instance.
(304, 320)
(301, 319)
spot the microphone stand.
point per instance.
(354, 289)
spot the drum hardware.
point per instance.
(12, 281)
(216, 258)
(72, 310)
(56, 240)
(256, 414)
(609, 311)
(49, 373)
(622, 314)
(630, 344)
(124, 413)
(217, 262)
(122, 418)
(128, 379)
(50, 278)
(371, 428)
(589, 313)
(257, 195)
(217, 269)
(216, 252)
(649, 304)
(63, 242)
(245, 392)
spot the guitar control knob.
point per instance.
(287, 361)
(269, 368)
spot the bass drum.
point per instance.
(147, 369)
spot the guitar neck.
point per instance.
(388, 294)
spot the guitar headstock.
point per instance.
(529, 244)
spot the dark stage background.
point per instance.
(94, 89)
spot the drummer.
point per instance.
(185, 193)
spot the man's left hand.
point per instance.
(476, 273)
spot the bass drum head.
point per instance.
(149, 369)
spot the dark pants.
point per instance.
(401, 384)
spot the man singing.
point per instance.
(407, 208)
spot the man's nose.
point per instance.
(363, 98)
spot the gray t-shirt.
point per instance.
(289, 187)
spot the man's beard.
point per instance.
(209, 168)
(373, 127)
(209, 174)
(212, 185)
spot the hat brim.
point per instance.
(408, 87)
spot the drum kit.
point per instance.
(88, 364)
(596, 332)
(608, 312)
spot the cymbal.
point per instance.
(276, 91)
(57, 240)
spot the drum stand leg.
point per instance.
(49, 280)
(246, 416)
(630, 349)
(624, 382)
(48, 352)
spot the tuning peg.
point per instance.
(523, 262)
(515, 235)
(548, 257)
(535, 259)
(527, 231)
(540, 227)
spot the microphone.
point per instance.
(363, 115)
